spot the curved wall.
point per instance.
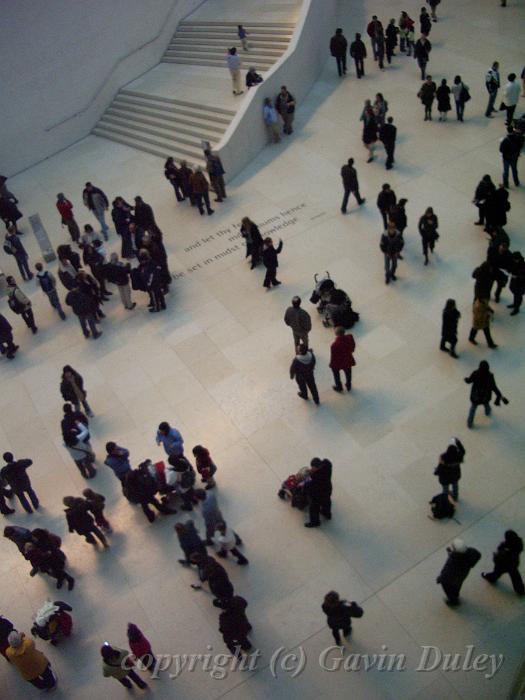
(64, 60)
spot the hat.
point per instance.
(459, 546)
(15, 639)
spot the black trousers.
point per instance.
(341, 64)
(270, 277)
(510, 114)
(46, 680)
(451, 591)
(384, 214)
(95, 531)
(359, 67)
(177, 187)
(135, 678)
(515, 577)
(307, 382)
(516, 302)
(346, 197)
(236, 641)
(28, 317)
(348, 376)
(150, 515)
(336, 632)
(486, 331)
(320, 505)
(389, 148)
(157, 299)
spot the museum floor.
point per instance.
(215, 365)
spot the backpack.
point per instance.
(441, 507)
(8, 249)
(15, 304)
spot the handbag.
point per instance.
(8, 249)
(464, 94)
(502, 106)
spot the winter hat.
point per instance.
(15, 639)
(459, 546)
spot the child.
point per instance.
(241, 31)
(205, 466)
(96, 503)
(226, 540)
(140, 647)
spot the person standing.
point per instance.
(391, 245)
(140, 488)
(122, 219)
(170, 439)
(433, 5)
(391, 33)
(380, 43)
(358, 53)
(143, 215)
(422, 49)
(31, 663)
(228, 541)
(339, 614)
(48, 285)
(485, 189)
(449, 328)
(85, 308)
(242, 34)
(234, 625)
(14, 246)
(350, 184)
(448, 470)
(20, 304)
(97, 203)
(199, 187)
(369, 136)
(461, 95)
(426, 94)
(234, 66)
(461, 559)
(373, 29)
(271, 263)
(425, 23)
(380, 108)
(481, 317)
(285, 106)
(387, 135)
(216, 173)
(117, 663)
(338, 49)
(80, 520)
(117, 272)
(189, 541)
(492, 83)
(14, 474)
(517, 282)
(507, 561)
(140, 647)
(428, 230)
(483, 385)
(510, 149)
(342, 358)
(173, 176)
(254, 242)
(406, 24)
(76, 442)
(153, 280)
(271, 121)
(72, 389)
(95, 503)
(7, 344)
(211, 513)
(299, 321)
(302, 370)
(117, 460)
(319, 491)
(511, 95)
(205, 466)
(443, 100)
(386, 200)
(65, 209)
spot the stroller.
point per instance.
(333, 304)
(293, 489)
(53, 622)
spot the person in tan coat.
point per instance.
(481, 317)
(32, 665)
(200, 190)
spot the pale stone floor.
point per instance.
(216, 366)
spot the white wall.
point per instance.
(63, 61)
(298, 69)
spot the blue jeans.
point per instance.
(455, 489)
(88, 323)
(510, 165)
(99, 215)
(390, 266)
(55, 303)
(460, 108)
(472, 412)
(21, 261)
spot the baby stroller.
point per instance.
(293, 489)
(53, 622)
(333, 304)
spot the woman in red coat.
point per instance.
(342, 358)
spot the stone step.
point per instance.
(246, 25)
(220, 51)
(165, 145)
(165, 133)
(276, 45)
(124, 107)
(213, 55)
(174, 126)
(205, 110)
(212, 63)
(139, 145)
(225, 32)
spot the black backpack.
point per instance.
(441, 507)
(15, 305)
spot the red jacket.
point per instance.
(140, 648)
(66, 209)
(341, 352)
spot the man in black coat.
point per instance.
(422, 49)
(14, 474)
(386, 199)
(358, 53)
(140, 487)
(7, 346)
(153, 279)
(234, 625)
(271, 263)
(302, 370)
(517, 282)
(338, 48)
(220, 585)
(85, 308)
(319, 491)
(500, 259)
(387, 134)
(507, 561)
(80, 520)
(510, 149)
(350, 184)
(461, 559)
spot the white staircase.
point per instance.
(206, 43)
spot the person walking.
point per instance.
(500, 259)
(386, 201)
(483, 386)
(369, 136)
(20, 304)
(461, 559)
(95, 503)
(342, 358)
(14, 474)
(65, 209)
(116, 663)
(233, 62)
(358, 53)
(189, 541)
(338, 49)
(76, 442)
(271, 120)
(428, 230)
(48, 285)
(339, 614)
(141, 648)
(481, 317)
(319, 491)
(271, 263)
(170, 439)
(485, 189)
(425, 23)
(80, 520)
(285, 106)
(48, 559)
(391, 245)
(242, 34)
(406, 24)
(254, 242)
(210, 511)
(216, 173)
(72, 389)
(173, 176)
(449, 328)
(492, 83)
(117, 460)
(387, 135)
(510, 148)
(507, 561)
(234, 625)
(426, 94)
(118, 273)
(380, 108)
(31, 663)
(302, 370)
(14, 246)
(200, 189)
(220, 585)
(443, 100)
(380, 44)
(517, 283)
(205, 466)
(97, 203)
(461, 95)
(228, 541)
(299, 321)
(7, 344)
(511, 95)
(350, 184)
(422, 49)
(391, 34)
(85, 308)
(373, 28)
(448, 470)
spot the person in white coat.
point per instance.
(226, 540)
(511, 95)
